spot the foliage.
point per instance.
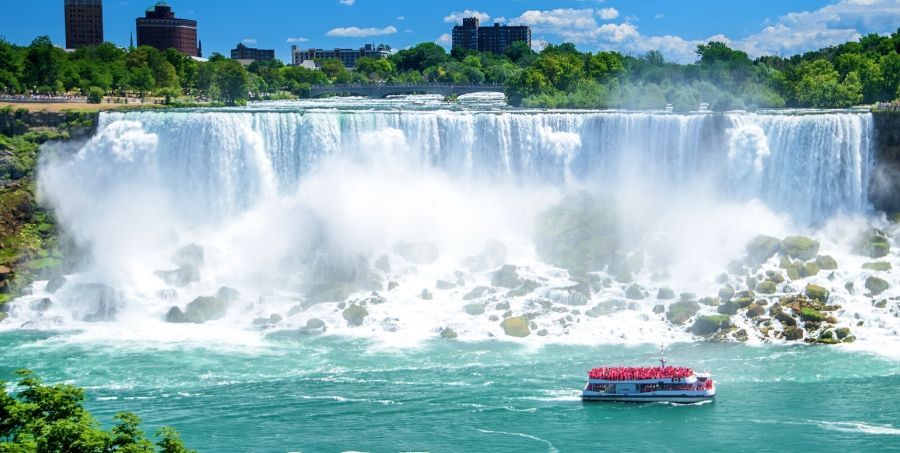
(95, 95)
(44, 417)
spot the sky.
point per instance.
(779, 27)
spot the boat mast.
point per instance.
(662, 358)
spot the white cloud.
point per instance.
(558, 19)
(538, 45)
(444, 40)
(248, 41)
(347, 2)
(295, 40)
(356, 32)
(659, 16)
(500, 20)
(457, 16)
(401, 17)
(608, 13)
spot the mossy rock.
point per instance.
(448, 333)
(816, 292)
(785, 319)
(728, 308)
(784, 262)
(876, 285)
(873, 243)
(474, 309)
(199, 310)
(800, 247)
(680, 312)
(476, 292)
(355, 315)
(761, 248)
(707, 325)
(793, 333)
(811, 315)
(726, 293)
(755, 310)
(516, 326)
(766, 287)
(506, 277)
(842, 332)
(793, 272)
(826, 262)
(659, 309)
(529, 285)
(809, 269)
(634, 292)
(606, 308)
(881, 266)
(665, 294)
(711, 301)
(849, 339)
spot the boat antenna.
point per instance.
(662, 358)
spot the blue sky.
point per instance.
(629, 26)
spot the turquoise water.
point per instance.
(325, 393)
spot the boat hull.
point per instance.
(680, 399)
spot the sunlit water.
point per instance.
(276, 192)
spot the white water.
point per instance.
(275, 197)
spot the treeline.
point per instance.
(853, 73)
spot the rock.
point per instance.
(506, 277)
(876, 285)
(793, 272)
(849, 339)
(826, 337)
(741, 335)
(785, 319)
(755, 310)
(392, 285)
(444, 284)
(726, 293)
(842, 332)
(606, 308)
(41, 305)
(542, 333)
(199, 310)
(880, 266)
(766, 287)
(743, 302)
(680, 312)
(811, 314)
(659, 309)
(190, 255)
(227, 294)
(182, 276)
(784, 262)
(816, 292)
(448, 333)
(809, 269)
(355, 315)
(707, 325)
(793, 333)
(419, 253)
(474, 309)
(502, 306)
(761, 248)
(711, 301)
(426, 295)
(313, 325)
(530, 285)
(634, 292)
(684, 297)
(476, 292)
(580, 233)
(873, 243)
(665, 294)
(800, 247)
(515, 326)
(383, 263)
(826, 262)
(774, 276)
(3, 315)
(97, 302)
(728, 308)
(55, 283)
(5, 272)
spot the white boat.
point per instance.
(661, 383)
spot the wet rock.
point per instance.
(809, 269)
(680, 312)
(606, 308)
(273, 319)
(880, 266)
(826, 262)
(741, 335)
(502, 306)
(755, 310)
(785, 318)
(873, 243)
(711, 301)
(842, 332)
(707, 325)
(766, 287)
(41, 304)
(726, 293)
(580, 233)
(313, 325)
(419, 253)
(426, 294)
(515, 326)
(816, 292)
(826, 337)
(793, 272)
(474, 309)
(811, 315)
(183, 276)
(444, 284)
(659, 309)
(383, 263)
(665, 294)
(55, 283)
(761, 248)
(199, 310)
(728, 308)
(227, 294)
(476, 292)
(448, 333)
(98, 302)
(190, 255)
(684, 297)
(774, 276)
(355, 315)
(800, 247)
(876, 285)
(542, 333)
(849, 339)
(793, 333)
(392, 285)
(526, 288)
(634, 292)
(506, 277)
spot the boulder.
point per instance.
(383, 263)
(606, 308)
(880, 266)
(793, 272)
(766, 287)
(707, 325)
(426, 294)
(634, 292)
(680, 312)
(761, 248)
(580, 233)
(355, 315)
(227, 294)
(728, 308)
(811, 315)
(809, 269)
(199, 310)
(726, 293)
(444, 284)
(793, 333)
(785, 319)
(97, 302)
(516, 326)
(474, 309)
(506, 277)
(476, 292)
(55, 283)
(816, 292)
(826, 262)
(529, 285)
(41, 304)
(659, 309)
(313, 325)
(419, 253)
(842, 332)
(448, 333)
(876, 285)
(800, 247)
(392, 285)
(873, 243)
(826, 337)
(665, 294)
(755, 310)
(189, 255)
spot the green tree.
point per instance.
(420, 57)
(335, 71)
(141, 79)
(820, 86)
(232, 80)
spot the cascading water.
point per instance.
(307, 212)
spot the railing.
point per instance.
(42, 99)
(888, 106)
(412, 85)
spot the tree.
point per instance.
(820, 86)
(376, 69)
(232, 80)
(335, 71)
(142, 80)
(44, 64)
(517, 51)
(420, 57)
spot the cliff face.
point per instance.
(884, 191)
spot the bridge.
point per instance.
(384, 90)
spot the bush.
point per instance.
(95, 95)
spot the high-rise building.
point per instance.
(494, 39)
(160, 28)
(347, 56)
(248, 55)
(84, 23)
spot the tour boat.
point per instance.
(648, 384)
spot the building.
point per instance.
(84, 23)
(494, 39)
(247, 55)
(347, 56)
(160, 28)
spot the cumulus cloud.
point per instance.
(456, 17)
(401, 17)
(249, 41)
(608, 13)
(444, 40)
(347, 2)
(295, 40)
(357, 32)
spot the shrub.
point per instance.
(95, 95)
